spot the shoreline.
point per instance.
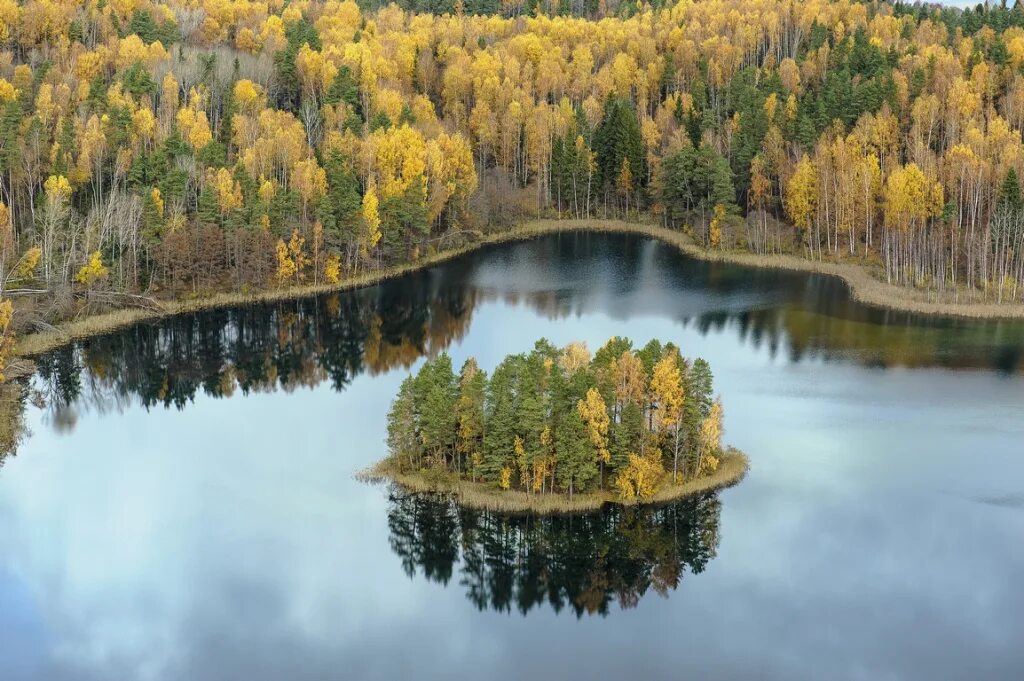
(863, 287)
(732, 468)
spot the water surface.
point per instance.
(185, 505)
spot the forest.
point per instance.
(169, 149)
(560, 421)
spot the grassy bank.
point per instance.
(731, 469)
(863, 285)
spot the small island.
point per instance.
(559, 430)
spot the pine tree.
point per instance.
(436, 395)
(403, 440)
(627, 435)
(618, 139)
(340, 211)
(1009, 193)
(699, 398)
(531, 413)
(695, 180)
(499, 438)
(469, 413)
(577, 464)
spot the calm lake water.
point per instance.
(185, 507)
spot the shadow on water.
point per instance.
(581, 562)
(335, 337)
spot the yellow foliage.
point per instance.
(7, 91)
(574, 357)
(519, 450)
(267, 191)
(801, 194)
(297, 254)
(628, 372)
(505, 480)
(144, 123)
(594, 414)
(93, 271)
(910, 198)
(158, 200)
(715, 227)
(508, 87)
(667, 388)
(371, 219)
(26, 265)
(226, 188)
(332, 269)
(6, 335)
(641, 477)
(710, 438)
(309, 179)
(285, 265)
(270, 144)
(398, 156)
(57, 188)
(247, 41)
(249, 96)
(194, 127)
(130, 49)
(169, 93)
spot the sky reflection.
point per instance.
(228, 539)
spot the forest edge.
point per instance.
(863, 285)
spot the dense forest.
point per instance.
(556, 420)
(171, 149)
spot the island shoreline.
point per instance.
(732, 468)
(863, 287)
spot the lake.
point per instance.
(185, 506)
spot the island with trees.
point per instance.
(557, 429)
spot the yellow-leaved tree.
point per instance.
(332, 269)
(801, 197)
(6, 335)
(371, 220)
(575, 357)
(710, 443)
(667, 389)
(285, 264)
(296, 250)
(93, 272)
(715, 228)
(594, 413)
(519, 450)
(641, 477)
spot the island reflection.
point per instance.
(581, 562)
(291, 344)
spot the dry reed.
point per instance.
(732, 467)
(864, 286)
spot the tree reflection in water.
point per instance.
(290, 344)
(584, 562)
